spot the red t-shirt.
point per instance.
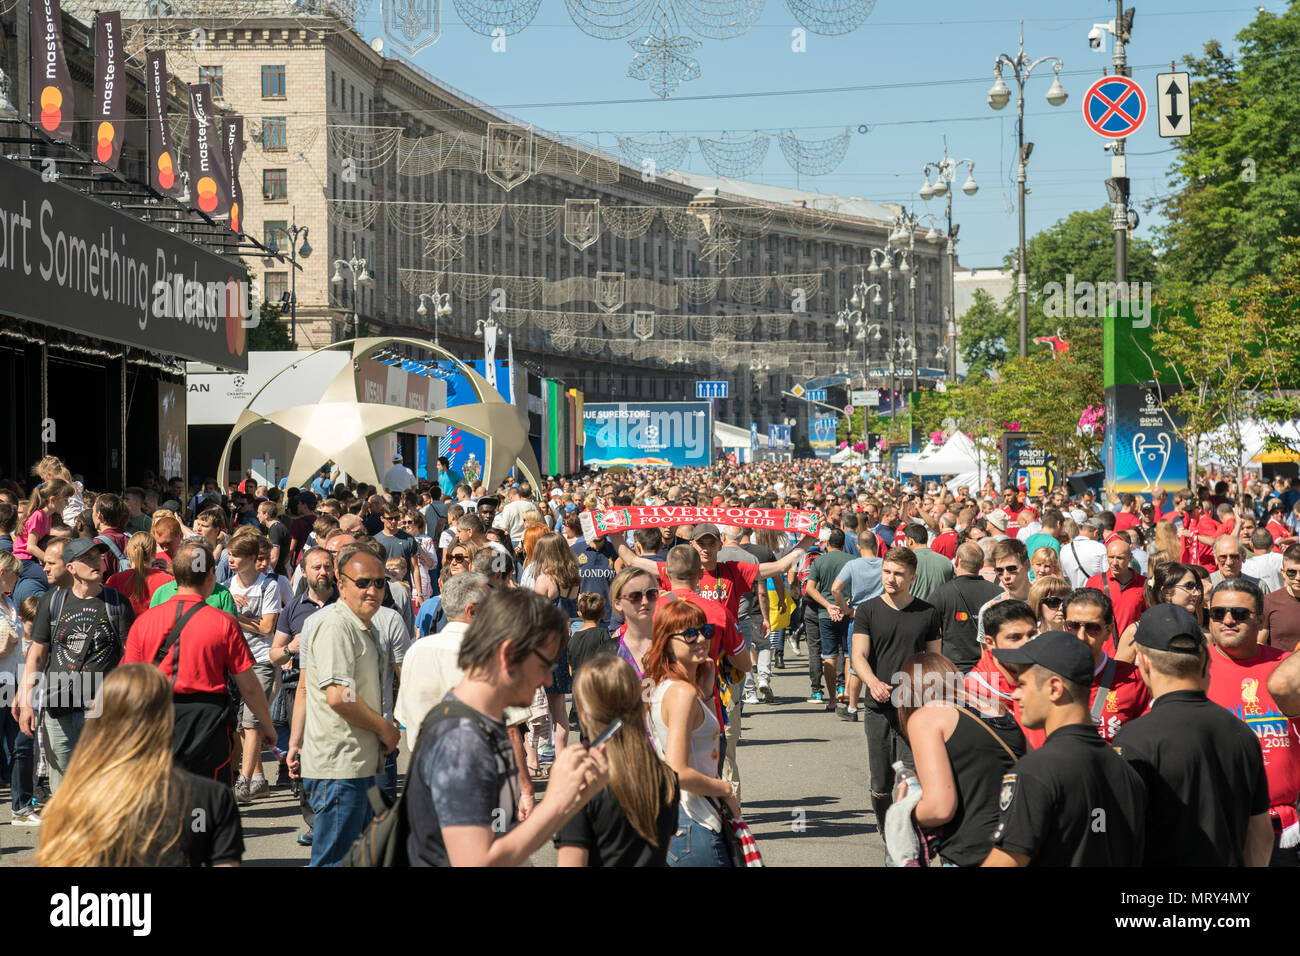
(1203, 554)
(1125, 600)
(945, 544)
(121, 582)
(212, 646)
(1242, 687)
(1279, 531)
(727, 584)
(985, 681)
(1125, 520)
(1128, 698)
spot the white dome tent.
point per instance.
(957, 456)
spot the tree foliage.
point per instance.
(269, 335)
(1236, 181)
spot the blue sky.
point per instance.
(929, 66)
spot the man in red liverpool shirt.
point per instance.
(1204, 534)
(1008, 624)
(945, 542)
(1283, 536)
(1127, 516)
(1118, 694)
(1241, 672)
(724, 581)
(209, 647)
(1122, 585)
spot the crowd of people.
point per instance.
(1024, 664)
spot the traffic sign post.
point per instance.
(1114, 107)
(1174, 104)
(817, 394)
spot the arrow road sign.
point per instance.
(1114, 107)
(1174, 104)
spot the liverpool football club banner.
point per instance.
(597, 523)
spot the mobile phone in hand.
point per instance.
(615, 725)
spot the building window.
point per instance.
(274, 133)
(275, 184)
(277, 287)
(272, 81)
(211, 75)
(275, 234)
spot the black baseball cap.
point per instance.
(1162, 624)
(1059, 651)
(80, 547)
(704, 529)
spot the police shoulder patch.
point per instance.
(1008, 791)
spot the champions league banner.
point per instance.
(162, 160)
(108, 112)
(52, 97)
(595, 524)
(1142, 449)
(648, 434)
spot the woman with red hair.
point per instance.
(685, 731)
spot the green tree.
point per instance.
(1077, 249)
(1235, 185)
(1047, 394)
(269, 335)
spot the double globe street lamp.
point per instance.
(999, 96)
(945, 174)
(360, 279)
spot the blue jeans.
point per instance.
(834, 637)
(16, 759)
(696, 845)
(342, 810)
(61, 735)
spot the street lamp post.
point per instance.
(294, 232)
(945, 172)
(999, 95)
(889, 259)
(441, 302)
(360, 277)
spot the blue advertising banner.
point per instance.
(648, 434)
(1024, 463)
(1142, 448)
(823, 436)
(462, 448)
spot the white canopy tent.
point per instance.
(1253, 435)
(957, 456)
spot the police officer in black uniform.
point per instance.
(1073, 801)
(1204, 770)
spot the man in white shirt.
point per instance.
(1266, 564)
(519, 500)
(430, 669)
(1085, 555)
(399, 478)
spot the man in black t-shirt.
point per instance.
(278, 535)
(887, 630)
(959, 602)
(399, 544)
(77, 638)
(1073, 801)
(1202, 766)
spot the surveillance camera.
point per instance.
(1096, 36)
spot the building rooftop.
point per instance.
(850, 207)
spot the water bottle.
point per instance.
(905, 781)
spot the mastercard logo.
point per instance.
(234, 217)
(235, 333)
(207, 192)
(105, 133)
(51, 108)
(962, 616)
(166, 174)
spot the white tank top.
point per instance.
(702, 756)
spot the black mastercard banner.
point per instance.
(209, 177)
(108, 112)
(233, 127)
(162, 160)
(52, 97)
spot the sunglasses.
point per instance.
(1053, 602)
(1225, 558)
(1091, 627)
(634, 597)
(1008, 569)
(1217, 614)
(1291, 572)
(694, 634)
(457, 557)
(366, 584)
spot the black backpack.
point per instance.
(384, 841)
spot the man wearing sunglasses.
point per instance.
(340, 749)
(1118, 694)
(1282, 607)
(1240, 672)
